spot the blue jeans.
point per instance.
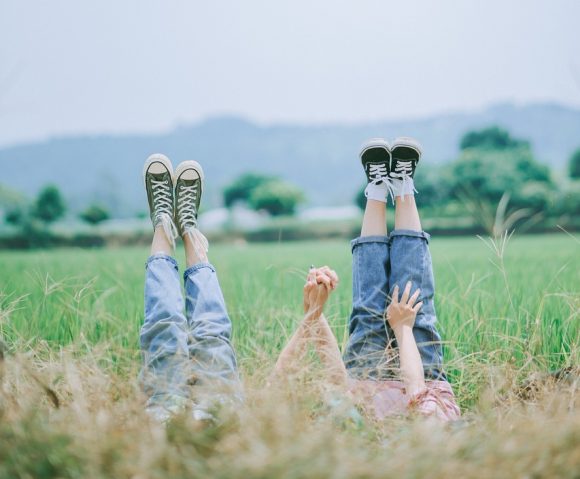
(380, 263)
(186, 355)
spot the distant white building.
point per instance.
(239, 217)
(330, 213)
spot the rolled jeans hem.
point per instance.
(197, 267)
(161, 256)
(369, 239)
(409, 233)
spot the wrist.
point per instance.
(313, 312)
(401, 329)
(316, 307)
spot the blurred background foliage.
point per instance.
(493, 185)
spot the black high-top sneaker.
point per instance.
(406, 153)
(375, 157)
(188, 191)
(158, 179)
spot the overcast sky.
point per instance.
(70, 66)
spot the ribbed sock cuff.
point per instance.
(377, 192)
(403, 187)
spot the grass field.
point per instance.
(70, 405)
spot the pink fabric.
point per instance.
(389, 398)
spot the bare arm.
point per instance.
(314, 327)
(289, 359)
(329, 352)
(401, 317)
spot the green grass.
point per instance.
(70, 404)
(521, 308)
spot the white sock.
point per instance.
(403, 187)
(377, 192)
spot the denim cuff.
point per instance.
(164, 257)
(368, 239)
(410, 233)
(197, 267)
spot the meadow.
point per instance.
(70, 404)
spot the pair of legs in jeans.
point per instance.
(379, 263)
(186, 340)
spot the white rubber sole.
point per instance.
(409, 143)
(157, 158)
(188, 165)
(374, 143)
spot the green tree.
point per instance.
(276, 197)
(569, 200)
(241, 189)
(574, 166)
(360, 199)
(49, 205)
(488, 174)
(14, 216)
(95, 214)
(492, 138)
(536, 195)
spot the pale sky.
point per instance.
(118, 66)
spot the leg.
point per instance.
(164, 333)
(213, 358)
(411, 261)
(374, 219)
(369, 335)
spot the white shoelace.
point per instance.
(402, 172)
(379, 174)
(403, 168)
(187, 217)
(187, 213)
(163, 204)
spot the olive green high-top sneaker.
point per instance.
(158, 179)
(188, 191)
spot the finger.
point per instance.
(325, 270)
(405, 296)
(417, 307)
(395, 295)
(326, 283)
(323, 279)
(323, 274)
(334, 278)
(413, 298)
(330, 272)
(311, 274)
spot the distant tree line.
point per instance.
(48, 207)
(495, 180)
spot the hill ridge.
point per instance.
(320, 158)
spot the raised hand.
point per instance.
(402, 312)
(320, 282)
